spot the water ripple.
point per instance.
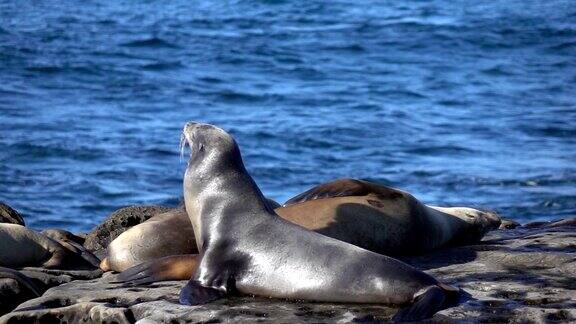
(458, 103)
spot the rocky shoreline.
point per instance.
(515, 274)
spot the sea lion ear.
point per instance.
(337, 188)
(196, 294)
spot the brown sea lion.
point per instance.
(162, 235)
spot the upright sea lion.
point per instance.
(246, 248)
(375, 217)
(22, 247)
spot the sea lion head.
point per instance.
(209, 145)
(214, 158)
(476, 222)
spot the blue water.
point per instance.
(458, 102)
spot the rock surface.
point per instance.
(13, 293)
(118, 222)
(10, 215)
(520, 275)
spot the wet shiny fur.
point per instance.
(246, 248)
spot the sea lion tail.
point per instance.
(428, 302)
(21, 279)
(174, 267)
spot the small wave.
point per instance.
(45, 69)
(153, 42)
(440, 150)
(556, 131)
(212, 80)
(236, 96)
(162, 66)
(160, 152)
(569, 45)
(453, 103)
(401, 93)
(351, 48)
(498, 70)
(30, 150)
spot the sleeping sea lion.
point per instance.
(23, 247)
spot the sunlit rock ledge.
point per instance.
(525, 274)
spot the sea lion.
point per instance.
(247, 248)
(73, 243)
(165, 234)
(22, 247)
(383, 219)
(375, 217)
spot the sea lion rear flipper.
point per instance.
(196, 294)
(174, 267)
(427, 303)
(337, 188)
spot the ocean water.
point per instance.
(458, 102)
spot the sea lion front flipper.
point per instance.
(196, 294)
(427, 303)
(65, 259)
(81, 251)
(174, 267)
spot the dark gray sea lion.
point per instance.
(22, 247)
(73, 243)
(246, 248)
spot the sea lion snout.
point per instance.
(493, 220)
(208, 143)
(487, 221)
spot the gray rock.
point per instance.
(9, 215)
(48, 278)
(15, 288)
(118, 222)
(515, 275)
(14, 292)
